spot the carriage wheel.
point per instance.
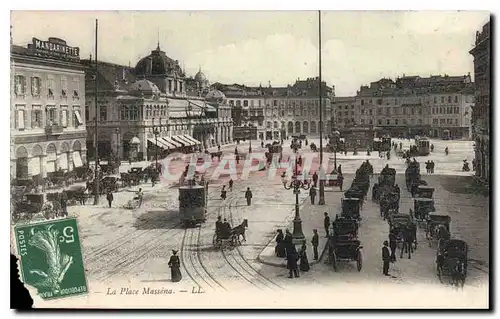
(359, 261)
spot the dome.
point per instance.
(145, 86)
(158, 63)
(200, 77)
(215, 95)
(135, 140)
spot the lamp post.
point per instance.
(335, 142)
(296, 185)
(117, 131)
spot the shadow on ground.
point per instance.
(464, 185)
(157, 219)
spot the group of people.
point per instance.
(222, 228)
(429, 167)
(248, 192)
(286, 249)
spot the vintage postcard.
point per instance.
(251, 159)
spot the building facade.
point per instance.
(278, 112)
(48, 130)
(481, 110)
(152, 108)
(411, 105)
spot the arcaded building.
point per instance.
(48, 130)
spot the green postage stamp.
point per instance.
(51, 258)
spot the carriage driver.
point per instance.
(226, 229)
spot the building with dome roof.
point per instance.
(155, 96)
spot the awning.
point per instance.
(166, 142)
(50, 166)
(192, 139)
(160, 144)
(78, 117)
(34, 166)
(163, 144)
(77, 160)
(171, 141)
(180, 140)
(183, 139)
(62, 161)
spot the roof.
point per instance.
(111, 76)
(158, 63)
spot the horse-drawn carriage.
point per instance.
(424, 191)
(230, 236)
(24, 206)
(336, 182)
(351, 208)
(406, 230)
(438, 228)
(343, 243)
(451, 260)
(422, 208)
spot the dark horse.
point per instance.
(240, 231)
(408, 236)
(440, 233)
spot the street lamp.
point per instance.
(250, 138)
(156, 132)
(296, 185)
(335, 142)
(117, 131)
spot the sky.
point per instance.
(276, 47)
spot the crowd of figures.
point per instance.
(296, 260)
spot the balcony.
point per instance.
(54, 129)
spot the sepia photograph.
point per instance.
(251, 159)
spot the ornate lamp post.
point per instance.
(296, 185)
(335, 143)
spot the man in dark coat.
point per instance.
(109, 197)
(280, 247)
(312, 194)
(386, 258)
(226, 229)
(64, 203)
(248, 196)
(315, 243)
(326, 223)
(393, 242)
(218, 226)
(292, 257)
(175, 267)
(315, 179)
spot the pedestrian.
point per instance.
(288, 241)
(218, 148)
(432, 167)
(312, 194)
(231, 185)
(64, 203)
(280, 245)
(315, 179)
(393, 243)
(315, 243)
(326, 223)
(110, 198)
(304, 262)
(339, 169)
(248, 196)
(175, 267)
(223, 192)
(291, 261)
(386, 258)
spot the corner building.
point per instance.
(48, 130)
(481, 113)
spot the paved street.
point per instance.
(136, 244)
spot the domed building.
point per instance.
(156, 104)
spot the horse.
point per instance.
(457, 272)
(439, 232)
(239, 230)
(408, 240)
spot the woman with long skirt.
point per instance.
(175, 267)
(304, 262)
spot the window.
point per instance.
(370, 101)
(435, 100)
(20, 119)
(231, 102)
(275, 102)
(346, 113)
(245, 103)
(396, 121)
(395, 110)
(36, 86)
(36, 118)
(435, 121)
(238, 103)
(77, 118)
(251, 103)
(20, 82)
(449, 99)
(388, 122)
(404, 110)
(352, 107)
(50, 87)
(261, 122)
(442, 99)
(379, 111)
(103, 113)
(340, 114)
(87, 112)
(412, 111)
(370, 112)
(362, 102)
(442, 121)
(379, 122)
(405, 122)
(456, 121)
(379, 101)
(268, 125)
(260, 103)
(456, 98)
(371, 122)
(419, 111)
(362, 112)
(64, 117)
(388, 111)
(51, 117)
(282, 112)
(64, 86)
(131, 112)
(346, 107)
